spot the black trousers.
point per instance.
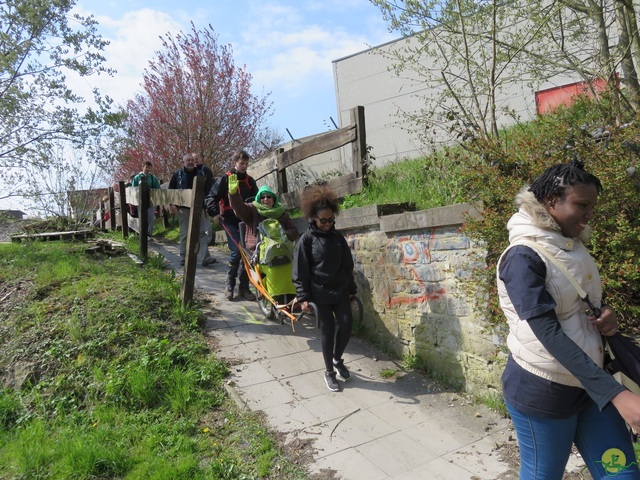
(336, 322)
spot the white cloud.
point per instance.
(134, 39)
(290, 48)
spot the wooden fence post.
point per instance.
(102, 213)
(112, 209)
(123, 209)
(193, 238)
(281, 174)
(359, 146)
(143, 208)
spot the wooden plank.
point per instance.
(323, 143)
(161, 196)
(359, 145)
(343, 186)
(433, 217)
(52, 236)
(263, 167)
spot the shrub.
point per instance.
(495, 171)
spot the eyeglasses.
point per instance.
(262, 197)
(324, 221)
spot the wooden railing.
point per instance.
(352, 182)
(144, 197)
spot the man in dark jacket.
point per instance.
(183, 179)
(218, 207)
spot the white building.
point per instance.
(367, 78)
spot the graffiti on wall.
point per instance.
(406, 273)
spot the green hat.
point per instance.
(268, 191)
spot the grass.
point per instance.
(113, 378)
(388, 373)
(426, 182)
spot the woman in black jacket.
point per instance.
(323, 274)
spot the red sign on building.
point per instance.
(551, 98)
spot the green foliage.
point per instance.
(42, 43)
(495, 171)
(388, 372)
(495, 402)
(10, 409)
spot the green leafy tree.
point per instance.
(494, 172)
(41, 44)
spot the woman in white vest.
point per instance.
(554, 386)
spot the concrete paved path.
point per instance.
(402, 427)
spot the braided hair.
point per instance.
(554, 180)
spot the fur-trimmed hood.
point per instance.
(532, 213)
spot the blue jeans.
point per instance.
(601, 437)
(235, 260)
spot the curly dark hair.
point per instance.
(554, 180)
(316, 198)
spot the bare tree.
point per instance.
(41, 42)
(466, 54)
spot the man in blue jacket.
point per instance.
(183, 179)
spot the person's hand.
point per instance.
(606, 323)
(216, 219)
(305, 307)
(628, 405)
(233, 184)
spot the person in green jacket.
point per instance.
(277, 279)
(153, 182)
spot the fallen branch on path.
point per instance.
(341, 420)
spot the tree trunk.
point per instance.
(626, 47)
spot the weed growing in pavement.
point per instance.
(112, 378)
(388, 372)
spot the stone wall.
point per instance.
(409, 267)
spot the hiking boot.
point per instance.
(247, 295)
(330, 380)
(342, 371)
(208, 261)
(228, 293)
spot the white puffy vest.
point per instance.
(525, 348)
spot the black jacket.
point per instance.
(323, 267)
(183, 180)
(217, 200)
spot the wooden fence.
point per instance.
(143, 197)
(353, 134)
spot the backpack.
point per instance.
(274, 247)
(132, 210)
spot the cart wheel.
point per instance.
(266, 307)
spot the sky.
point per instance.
(286, 45)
